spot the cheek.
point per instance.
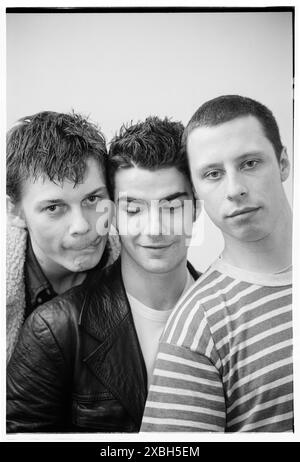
(48, 241)
(269, 191)
(210, 203)
(212, 196)
(127, 242)
(182, 222)
(103, 213)
(130, 226)
(45, 232)
(102, 223)
(122, 224)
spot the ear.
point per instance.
(15, 215)
(284, 165)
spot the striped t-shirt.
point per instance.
(225, 358)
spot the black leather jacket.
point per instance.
(78, 365)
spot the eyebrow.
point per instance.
(102, 189)
(171, 197)
(249, 153)
(208, 166)
(177, 195)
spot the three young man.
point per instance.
(55, 179)
(225, 358)
(92, 349)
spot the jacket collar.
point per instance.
(38, 288)
(195, 274)
(115, 356)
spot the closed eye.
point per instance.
(172, 205)
(131, 210)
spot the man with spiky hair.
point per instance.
(93, 349)
(225, 358)
(56, 167)
(148, 178)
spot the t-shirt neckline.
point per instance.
(262, 279)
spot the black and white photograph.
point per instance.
(149, 223)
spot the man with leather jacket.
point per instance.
(55, 179)
(84, 360)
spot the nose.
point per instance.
(79, 223)
(153, 225)
(236, 187)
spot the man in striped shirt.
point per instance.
(225, 358)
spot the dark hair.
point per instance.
(54, 145)
(152, 144)
(225, 108)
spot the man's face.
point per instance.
(236, 173)
(152, 219)
(61, 220)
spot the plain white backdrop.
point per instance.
(122, 67)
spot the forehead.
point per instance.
(41, 188)
(140, 183)
(236, 137)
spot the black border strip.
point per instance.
(41, 10)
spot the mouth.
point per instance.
(156, 246)
(244, 211)
(87, 245)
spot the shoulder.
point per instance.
(188, 321)
(206, 288)
(55, 322)
(16, 239)
(199, 293)
(100, 275)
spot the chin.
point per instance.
(159, 267)
(85, 263)
(253, 235)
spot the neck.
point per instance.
(62, 283)
(159, 291)
(271, 254)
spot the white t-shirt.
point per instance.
(149, 324)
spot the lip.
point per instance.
(243, 211)
(86, 246)
(156, 247)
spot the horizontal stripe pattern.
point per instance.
(225, 360)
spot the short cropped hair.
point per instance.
(53, 145)
(153, 144)
(225, 108)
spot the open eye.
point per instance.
(53, 209)
(251, 163)
(91, 200)
(213, 175)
